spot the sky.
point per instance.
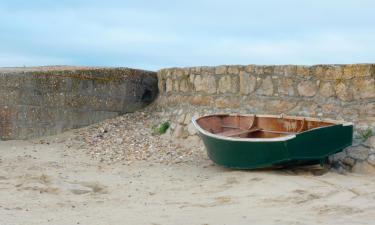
(157, 34)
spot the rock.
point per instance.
(209, 84)
(343, 92)
(225, 84)
(371, 142)
(191, 78)
(330, 109)
(266, 87)
(179, 132)
(307, 88)
(338, 156)
(360, 70)
(348, 161)
(179, 72)
(285, 86)
(198, 83)
(371, 160)
(358, 152)
(279, 106)
(249, 69)
(169, 85)
(247, 83)
(184, 87)
(368, 109)
(327, 90)
(188, 118)
(363, 168)
(119, 141)
(206, 84)
(176, 86)
(221, 70)
(225, 102)
(233, 70)
(303, 71)
(201, 100)
(364, 88)
(191, 129)
(333, 72)
(181, 118)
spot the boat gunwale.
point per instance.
(275, 139)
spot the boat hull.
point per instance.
(309, 146)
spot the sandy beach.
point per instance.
(49, 181)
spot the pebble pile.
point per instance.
(129, 138)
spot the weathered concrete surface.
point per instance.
(48, 100)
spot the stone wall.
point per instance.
(48, 100)
(344, 92)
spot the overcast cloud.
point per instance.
(157, 34)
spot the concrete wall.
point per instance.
(344, 92)
(48, 100)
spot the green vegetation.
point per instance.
(161, 128)
(365, 134)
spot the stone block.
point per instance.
(249, 69)
(184, 85)
(258, 70)
(221, 70)
(344, 92)
(290, 70)
(285, 86)
(169, 85)
(180, 132)
(279, 106)
(368, 109)
(307, 88)
(327, 90)
(207, 70)
(303, 71)
(200, 100)
(266, 87)
(358, 152)
(371, 142)
(371, 160)
(364, 88)
(205, 84)
(247, 83)
(363, 168)
(228, 84)
(357, 70)
(234, 70)
(334, 72)
(226, 102)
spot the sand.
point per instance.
(50, 182)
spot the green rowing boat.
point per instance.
(259, 141)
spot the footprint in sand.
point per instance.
(87, 187)
(41, 184)
(337, 209)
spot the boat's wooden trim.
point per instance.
(275, 139)
(344, 123)
(277, 132)
(232, 133)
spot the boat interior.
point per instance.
(252, 126)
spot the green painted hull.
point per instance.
(306, 147)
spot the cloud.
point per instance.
(156, 34)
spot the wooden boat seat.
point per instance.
(233, 133)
